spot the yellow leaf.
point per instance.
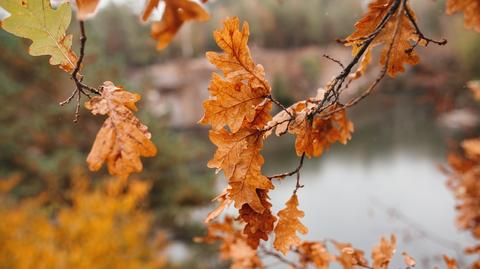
(37, 21)
(123, 139)
(288, 225)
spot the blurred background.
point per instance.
(386, 180)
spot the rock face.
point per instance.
(177, 88)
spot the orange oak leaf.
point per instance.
(288, 225)
(239, 156)
(383, 252)
(471, 10)
(232, 103)
(123, 139)
(85, 8)
(175, 14)
(236, 61)
(350, 257)
(313, 137)
(315, 253)
(398, 34)
(258, 225)
(224, 200)
(450, 262)
(233, 245)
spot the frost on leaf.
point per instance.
(471, 10)
(44, 26)
(383, 252)
(85, 8)
(288, 226)
(400, 40)
(176, 12)
(123, 139)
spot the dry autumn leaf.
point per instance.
(474, 87)
(258, 225)
(123, 139)
(315, 253)
(175, 14)
(450, 262)
(402, 38)
(350, 257)
(471, 10)
(288, 225)
(383, 252)
(85, 8)
(313, 137)
(44, 26)
(408, 260)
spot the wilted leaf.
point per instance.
(258, 225)
(314, 253)
(450, 262)
(85, 8)
(175, 14)
(313, 137)
(383, 252)
(471, 10)
(123, 139)
(224, 202)
(400, 53)
(350, 257)
(288, 225)
(46, 27)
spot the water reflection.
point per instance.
(385, 181)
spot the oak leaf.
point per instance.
(45, 27)
(313, 137)
(474, 87)
(232, 103)
(123, 139)
(175, 14)
(224, 200)
(450, 262)
(85, 8)
(383, 252)
(258, 225)
(288, 225)
(315, 253)
(408, 260)
(350, 257)
(400, 40)
(471, 10)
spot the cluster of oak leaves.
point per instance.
(239, 113)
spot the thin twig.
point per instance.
(80, 87)
(279, 257)
(334, 60)
(291, 173)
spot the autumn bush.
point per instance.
(107, 226)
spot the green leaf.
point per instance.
(45, 26)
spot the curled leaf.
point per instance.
(86, 8)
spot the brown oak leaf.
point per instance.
(175, 14)
(288, 225)
(400, 52)
(350, 257)
(313, 137)
(258, 225)
(314, 253)
(123, 139)
(383, 252)
(471, 10)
